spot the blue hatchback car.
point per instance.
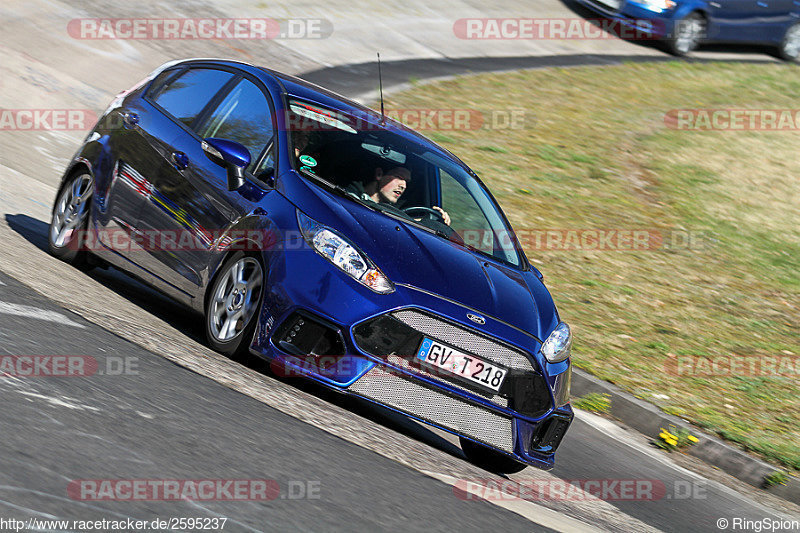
(337, 244)
(685, 24)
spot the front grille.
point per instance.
(451, 413)
(396, 337)
(464, 339)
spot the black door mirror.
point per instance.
(231, 155)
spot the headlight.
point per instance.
(657, 5)
(338, 250)
(558, 345)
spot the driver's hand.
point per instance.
(444, 214)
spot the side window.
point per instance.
(185, 96)
(243, 116)
(267, 165)
(468, 220)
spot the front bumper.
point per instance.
(533, 443)
(526, 419)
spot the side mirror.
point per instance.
(231, 155)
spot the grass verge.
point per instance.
(594, 152)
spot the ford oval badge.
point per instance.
(476, 318)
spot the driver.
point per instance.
(387, 188)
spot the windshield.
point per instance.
(397, 177)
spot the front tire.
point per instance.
(489, 459)
(687, 35)
(232, 304)
(67, 233)
(789, 50)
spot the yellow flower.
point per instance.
(672, 442)
(693, 438)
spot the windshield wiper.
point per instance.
(338, 189)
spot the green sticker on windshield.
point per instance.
(308, 160)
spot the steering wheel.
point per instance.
(427, 212)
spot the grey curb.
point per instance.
(648, 419)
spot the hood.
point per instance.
(415, 257)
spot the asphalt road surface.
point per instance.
(146, 418)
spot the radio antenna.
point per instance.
(380, 84)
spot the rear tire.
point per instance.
(687, 35)
(232, 305)
(789, 49)
(67, 232)
(489, 459)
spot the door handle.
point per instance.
(180, 160)
(130, 119)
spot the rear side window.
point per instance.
(185, 96)
(242, 116)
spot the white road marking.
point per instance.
(39, 314)
(526, 508)
(29, 510)
(60, 402)
(2, 284)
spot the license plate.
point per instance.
(461, 364)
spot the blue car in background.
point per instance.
(338, 245)
(685, 24)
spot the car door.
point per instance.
(733, 20)
(138, 134)
(775, 18)
(179, 99)
(195, 203)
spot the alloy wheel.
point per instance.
(235, 299)
(71, 209)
